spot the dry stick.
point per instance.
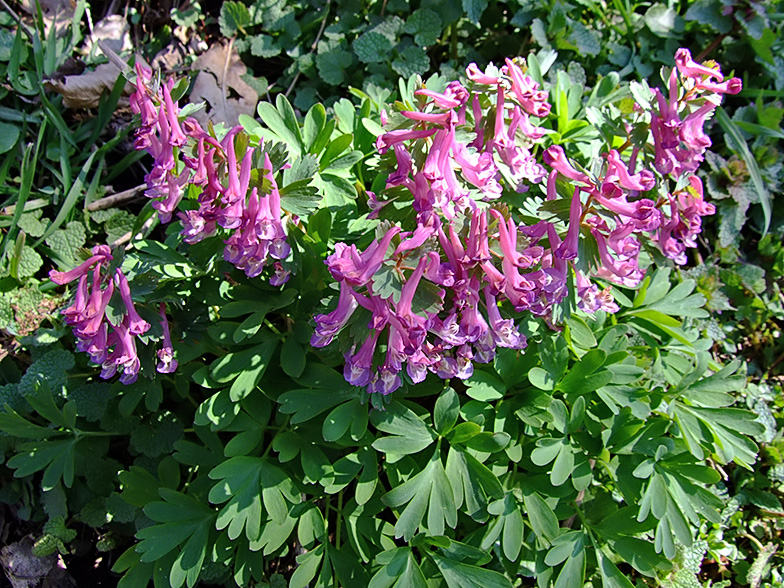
(312, 47)
(18, 20)
(109, 201)
(709, 49)
(127, 236)
(226, 73)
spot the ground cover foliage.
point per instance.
(620, 448)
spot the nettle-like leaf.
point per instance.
(411, 61)
(372, 47)
(425, 25)
(234, 16)
(332, 61)
(429, 491)
(28, 262)
(264, 46)
(474, 9)
(65, 242)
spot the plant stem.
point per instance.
(338, 514)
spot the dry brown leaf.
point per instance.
(221, 71)
(85, 90)
(54, 12)
(114, 31)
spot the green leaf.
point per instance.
(721, 430)
(540, 516)
(305, 404)
(332, 61)
(300, 197)
(446, 411)
(508, 525)
(337, 422)
(264, 46)
(737, 143)
(372, 47)
(244, 483)
(292, 357)
(400, 570)
(9, 134)
(473, 10)
(663, 21)
(65, 242)
(413, 60)
(429, 491)
(408, 433)
(485, 387)
(183, 522)
(254, 360)
(462, 575)
(425, 25)
(584, 39)
(280, 119)
(612, 577)
(56, 458)
(472, 482)
(233, 19)
(28, 263)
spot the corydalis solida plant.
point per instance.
(454, 157)
(185, 154)
(110, 345)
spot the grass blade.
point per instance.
(737, 143)
(70, 200)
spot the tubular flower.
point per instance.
(444, 292)
(110, 345)
(185, 154)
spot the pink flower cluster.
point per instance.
(185, 154)
(677, 125)
(454, 157)
(112, 346)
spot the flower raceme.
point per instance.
(110, 345)
(186, 155)
(434, 292)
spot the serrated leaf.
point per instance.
(413, 60)
(584, 39)
(65, 242)
(473, 10)
(372, 47)
(233, 19)
(29, 263)
(425, 25)
(332, 61)
(264, 46)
